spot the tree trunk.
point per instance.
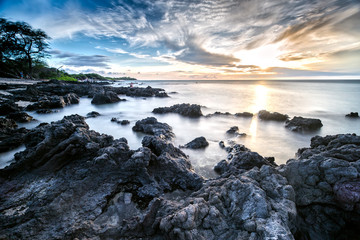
(30, 65)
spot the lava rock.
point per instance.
(244, 114)
(10, 136)
(93, 114)
(197, 143)
(73, 182)
(326, 181)
(7, 107)
(233, 130)
(47, 102)
(46, 111)
(299, 124)
(21, 117)
(121, 122)
(71, 98)
(353, 115)
(272, 116)
(107, 97)
(185, 109)
(151, 126)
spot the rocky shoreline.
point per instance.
(74, 183)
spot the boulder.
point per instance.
(47, 102)
(46, 111)
(121, 122)
(244, 114)
(326, 181)
(92, 114)
(233, 130)
(197, 143)
(7, 107)
(185, 109)
(141, 92)
(71, 98)
(10, 136)
(300, 124)
(353, 115)
(272, 116)
(107, 97)
(151, 126)
(241, 159)
(21, 117)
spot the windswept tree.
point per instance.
(20, 43)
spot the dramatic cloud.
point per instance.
(244, 36)
(76, 60)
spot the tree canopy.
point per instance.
(20, 47)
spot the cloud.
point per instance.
(208, 33)
(89, 61)
(76, 60)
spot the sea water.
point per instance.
(329, 101)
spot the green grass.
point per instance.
(67, 78)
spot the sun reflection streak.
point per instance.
(260, 103)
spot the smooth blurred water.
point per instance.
(326, 100)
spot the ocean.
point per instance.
(329, 101)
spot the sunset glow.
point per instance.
(199, 40)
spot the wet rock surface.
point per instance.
(300, 124)
(151, 126)
(10, 136)
(106, 97)
(121, 122)
(21, 117)
(92, 114)
(72, 182)
(326, 181)
(272, 116)
(197, 143)
(185, 109)
(243, 114)
(353, 115)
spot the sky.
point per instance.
(194, 40)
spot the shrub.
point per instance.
(67, 78)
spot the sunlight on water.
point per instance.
(260, 98)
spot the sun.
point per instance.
(264, 57)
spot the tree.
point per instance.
(19, 42)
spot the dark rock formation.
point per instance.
(46, 111)
(141, 92)
(236, 207)
(299, 124)
(241, 158)
(10, 136)
(7, 107)
(92, 114)
(71, 98)
(326, 181)
(185, 109)
(197, 143)
(21, 117)
(233, 130)
(107, 97)
(151, 126)
(121, 122)
(353, 115)
(244, 114)
(219, 114)
(273, 116)
(47, 102)
(71, 182)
